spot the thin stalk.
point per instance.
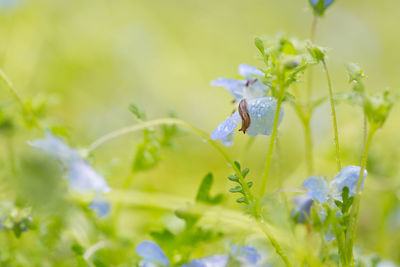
(306, 120)
(273, 241)
(308, 146)
(27, 111)
(334, 120)
(313, 28)
(271, 147)
(351, 231)
(100, 141)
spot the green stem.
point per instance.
(351, 231)
(100, 141)
(271, 146)
(273, 241)
(334, 120)
(27, 111)
(308, 146)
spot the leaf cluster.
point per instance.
(149, 152)
(192, 235)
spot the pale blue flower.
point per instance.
(348, 177)
(246, 256)
(213, 261)
(318, 187)
(261, 108)
(152, 254)
(81, 175)
(83, 178)
(101, 207)
(301, 211)
(323, 192)
(56, 148)
(326, 2)
(250, 87)
(320, 190)
(9, 4)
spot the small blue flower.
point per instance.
(151, 254)
(323, 192)
(348, 176)
(213, 261)
(318, 187)
(326, 2)
(320, 190)
(82, 177)
(101, 207)
(260, 108)
(9, 4)
(246, 255)
(301, 211)
(56, 148)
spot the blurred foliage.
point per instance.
(79, 64)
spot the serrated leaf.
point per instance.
(260, 45)
(245, 172)
(233, 178)
(140, 115)
(237, 164)
(203, 193)
(236, 189)
(242, 200)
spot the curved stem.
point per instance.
(273, 241)
(104, 139)
(27, 111)
(351, 231)
(271, 147)
(334, 120)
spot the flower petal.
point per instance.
(302, 209)
(225, 128)
(101, 207)
(152, 252)
(248, 71)
(235, 87)
(326, 2)
(262, 112)
(213, 261)
(228, 140)
(83, 178)
(55, 147)
(318, 188)
(348, 176)
(246, 254)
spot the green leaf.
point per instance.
(260, 45)
(318, 53)
(237, 164)
(78, 249)
(245, 172)
(203, 193)
(140, 115)
(378, 106)
(236, 189)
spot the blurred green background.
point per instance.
(94, 58)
